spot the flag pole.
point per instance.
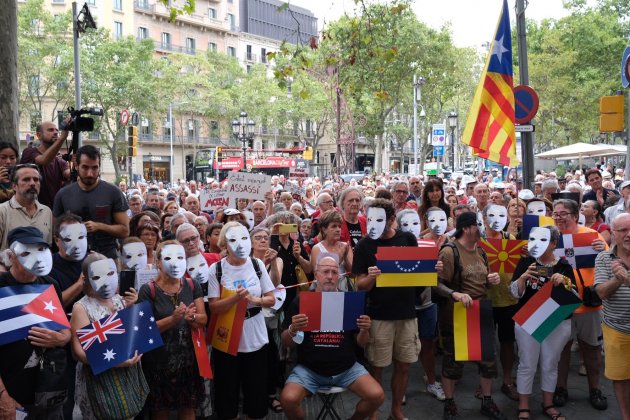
(527, 139)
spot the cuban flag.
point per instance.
(26, 306)
(577, 249)
(114, 339)
(332, 311)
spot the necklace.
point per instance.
(173, 296)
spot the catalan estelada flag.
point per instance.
(530, 221)
(332, 311)
(473, 331)
(503, 254)
(201, 353)
(404, 266)
(490, 128)
(225, 330)
(577, 249)
(544, 311)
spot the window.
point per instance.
(118, 32)
(248, 54)
(263, 55)
(231, 51)
(249, 69)
(36, 119)
(232, 21)
(212, 46)
(190, 45)
(166, 128)
(143, 33)
(166, 40)
(145, 128)
(33, 86)
(58, 1)
(142, 4)
(91, 2)
(192, 129)
(118, 5)
(212, 13)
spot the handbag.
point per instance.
(51, 384)
(117, 393)
(590, 298)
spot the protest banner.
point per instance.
(214, 199)
(246, 185)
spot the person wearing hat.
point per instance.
(495, 175)
(464, 286)
(611, 212)
(24, 376)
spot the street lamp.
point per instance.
(417, 97)
(452, 122)
(243, 131)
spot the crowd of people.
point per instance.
(84, 237)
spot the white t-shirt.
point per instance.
(254, 330)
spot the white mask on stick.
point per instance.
(35, 258)
(74, 240)
(437, 221)
(536, 208)
(410, 222)
(538, 242)
(238, 241)
(173, 258)
(497, 217)
(376, 222)
(197, 268)
(480, 225)
(103, 277)
(134, 256)
(249, 216)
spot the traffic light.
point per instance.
(250, 143)
(611, 114)
(132, 140)
(218, 153)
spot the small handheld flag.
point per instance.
(473, 331)
(503, 254)
(577, 249)
(403, 266)
(225, 330)
(201, 352)
(332, 311)
(530, 221)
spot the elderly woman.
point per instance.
(531, 274)
(594, 218)
(249, 281)
(516, 209)
(297, 209)
(305, 229)
(101, 299)
(330, 245)
(286, 199)
(201, 223)
(172, 370)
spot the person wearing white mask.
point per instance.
(437, 221)
(189, 237)
(177, 303)
(134, 254)
(408, 220)
(247, 371)
(101, 299)
(536, 207)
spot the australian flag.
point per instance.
(114, 339)
(26, 306)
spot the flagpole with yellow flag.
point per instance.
(490, 128)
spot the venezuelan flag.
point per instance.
(403, 266)
(225, 329)
(530, 221)
(473, 330)
(490, 128)
(503, 254)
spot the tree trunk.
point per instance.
(8, 70)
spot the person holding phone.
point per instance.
(531, 274)
(8, 157)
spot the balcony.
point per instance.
(186, 140)
(250, 57)
(158, 9)
(168, 47)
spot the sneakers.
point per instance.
(436, 390)
(560, 397)
(597, 399)
(490, 409)
(450, 410)
(510, 391)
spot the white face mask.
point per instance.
(497, 217)
(581, 220)
(173, 259)
(480, 225)
(437, 221)
(134, 256)
(197, 268)
(538, 241)
(35, 258)
(238, 241)
(74, 240)
(536, 208)
(410, 222)
(249, 216)
(103, 277)
(376, 222)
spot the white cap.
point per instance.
(526, 194)
(467, 179)
(606, 174)
(618, 171)
(231, 212)
(499, 186)
(460, 192)
(623, 185)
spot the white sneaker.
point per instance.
(436, 390)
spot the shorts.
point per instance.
(587, 327)
(453, 369)
(427, 322)
(616, 349)
(312, 381)
(504, 323)
(397, 340)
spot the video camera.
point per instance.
(78, 122)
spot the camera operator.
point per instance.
(55, 171)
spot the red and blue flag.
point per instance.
(577, 249)
(332, 311)
(405, 266)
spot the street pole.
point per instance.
(415, 126)
(170, 117)
(77, 67)
(527, 139)
(626, 175)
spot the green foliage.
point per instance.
(188, 8)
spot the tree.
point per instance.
(8, 70)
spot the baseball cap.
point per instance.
(606, 174)
(28, 235)
(231, 212)
(499, 186)
(467, 179)
(624, 184)
(526, 194)
(464, 220)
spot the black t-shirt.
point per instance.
(66, 273)
(98, 205)
(326, 353)
(19, 380)
(355, 233)
(385, 303)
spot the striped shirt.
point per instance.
(616, 313)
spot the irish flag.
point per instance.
(332, 311)
(225, 329)
(546, 309)
(473, 329)
(403, 266)
(577, 249)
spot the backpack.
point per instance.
(254, 261)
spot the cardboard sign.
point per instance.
(298, 173)
(145, 275)
(246, 185)
(214, 199)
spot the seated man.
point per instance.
(331, 364)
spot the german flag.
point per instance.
(224, 330)
(404, 266)
(473, 331)
(503, 254)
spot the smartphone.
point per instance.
(544, 271)
(287, 228)
(126, 280)
(60, 117)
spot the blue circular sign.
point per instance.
(625, 68)
(525, 104)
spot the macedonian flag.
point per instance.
(503, 254)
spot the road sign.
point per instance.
(525, 104)
(525, 128)
(124, 117)
(135, 118)
(438, 151)
(438, 135)
(625, 68)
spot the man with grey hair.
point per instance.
(415, 190)
(400, 192)
(622, 206)
(324, 203)
(549, 187)
(353, 226)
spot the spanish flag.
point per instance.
(530, 221)
(490, 128)
(404, 266)
(473, 331)
(503, 254)
(201, 352)
(225, 329)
